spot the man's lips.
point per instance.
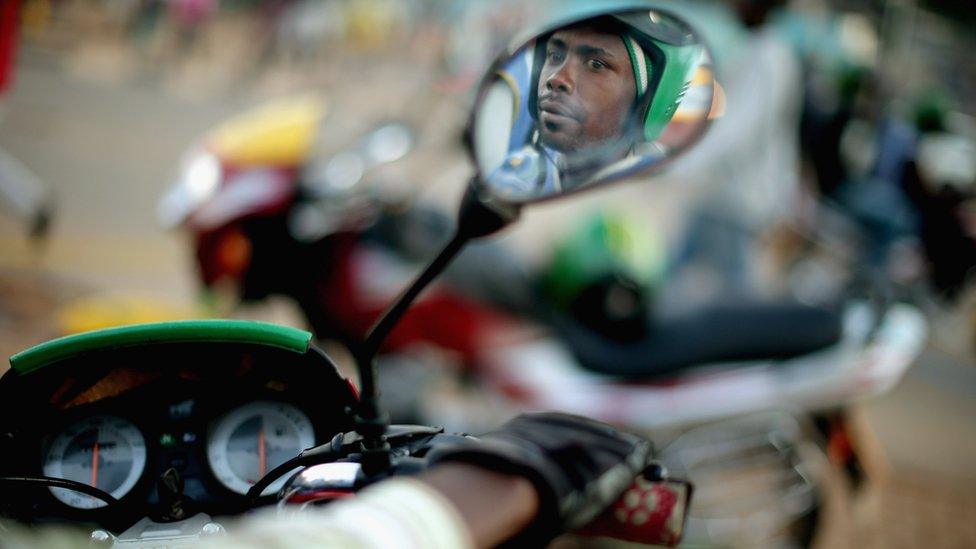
(555, 110)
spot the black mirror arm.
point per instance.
(476, 218)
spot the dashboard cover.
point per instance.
(181, 331)
(212, 399)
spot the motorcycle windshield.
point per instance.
(184, 331)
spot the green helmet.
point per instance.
(605, 272)
(664, 57)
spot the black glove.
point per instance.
(578, 466)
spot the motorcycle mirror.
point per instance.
(589, 101)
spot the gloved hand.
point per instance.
(578, 466)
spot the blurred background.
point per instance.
(165, 159)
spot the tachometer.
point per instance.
(253, 439)
(106, 452)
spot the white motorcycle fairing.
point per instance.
(545, 376)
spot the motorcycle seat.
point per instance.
(709, 335)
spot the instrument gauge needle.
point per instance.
(94, 473)
(262, 457)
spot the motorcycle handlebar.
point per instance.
(652, 511)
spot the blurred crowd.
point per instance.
(848, 129)
(239, 38)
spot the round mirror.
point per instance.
(590, 101)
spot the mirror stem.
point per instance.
(475, 219)
(371, 422)
(380, 331)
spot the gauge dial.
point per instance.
(106, 452)
(255, 438)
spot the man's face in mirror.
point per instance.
(586, 89)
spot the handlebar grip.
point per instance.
(651, 512)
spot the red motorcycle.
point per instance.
(268, 216)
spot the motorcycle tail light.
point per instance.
(353, 388)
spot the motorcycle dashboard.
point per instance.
(218, 414)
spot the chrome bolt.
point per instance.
(211, 529)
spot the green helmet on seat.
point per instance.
(605, 274)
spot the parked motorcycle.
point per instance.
(779, 414)
(269, 215)
(730, 389)
(121, 427)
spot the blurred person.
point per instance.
(372, 25)
(307, 29)
(188, 18)
(537, 476)
(937, 179)
(744, 174)
(473, 32)
(898, 197)
(823, 123)
(873, 150)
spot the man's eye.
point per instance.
(555, 56)
(596, 64)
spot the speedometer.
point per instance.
(106, 452)
(255, 438)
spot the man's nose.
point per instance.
(562, 79)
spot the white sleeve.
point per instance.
(400, 513)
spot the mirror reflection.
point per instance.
(590, 101)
